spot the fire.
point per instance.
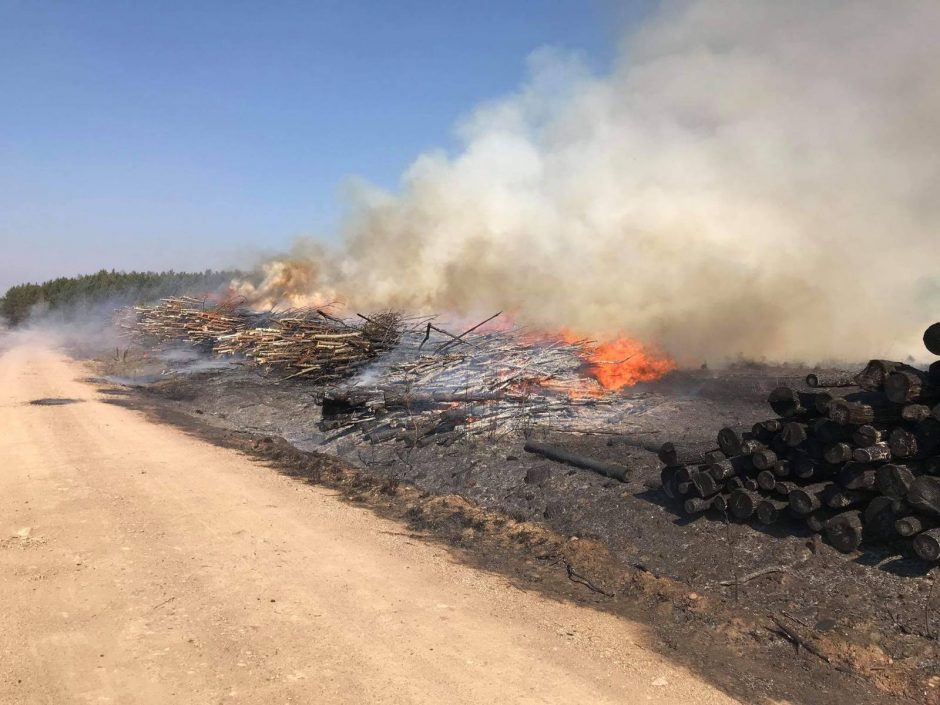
(620, 363)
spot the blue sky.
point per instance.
(186, 135)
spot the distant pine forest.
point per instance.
(24, 300)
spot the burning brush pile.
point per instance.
(385, 377)
(857, 457)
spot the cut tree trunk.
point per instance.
(844, 531)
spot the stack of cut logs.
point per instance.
(857, 458)
(310, 344)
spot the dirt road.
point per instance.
(140, 565)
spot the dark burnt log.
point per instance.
(729, 441)
(804, 500)
(684, 488)
(743, 503)
(860, 409)
(903, 443)
(928, 437)
(933, 374)
(764, 431)
(766, 480)
(911, 525)
(816, 521)
(804, 466)
(667, 478)
(858, 476)
(787, 402)
(670, 454)
(873, 377)
(751, 446)
(612, 470)
(878, 453)
(783, 489)
(838, 498)
(826, 430)
(706, 485)
(729, 467)
(697, 505)
(915, 413)
(894, 480)
(844, 531)
(764, 459)
(927, 545)
(866, 436)
(769, 511)
(793, 433)
(835, 379)
(905, 386)
(712, 456)
(924, 495)
(932, 338)
(781, 468)
(837, 453)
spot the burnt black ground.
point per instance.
(875, 609)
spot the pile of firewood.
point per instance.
(299, 343)
(188, 319)
(856, 458)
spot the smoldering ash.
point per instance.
(751, 178)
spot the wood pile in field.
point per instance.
(856, 458)
(438, 386)
(300, 343)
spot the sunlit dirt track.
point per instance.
(140, 565)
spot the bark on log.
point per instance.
(903, 443)
(872, 378)
(705, 484)
(878, 453)
(894, 480)
(789, 402)
(837, 498)
(764, 459)
(729, 442)
(858, 476)
(816, 521)
(915, 412)
(835, 379)
(766, 480)
(866, 436)
(730, 467)
(697, 505)
(743, 503)
(612, 470)
(793, 434)
(844, 531)
(924, 495)
(837, 453)
(783, 489)
(808, 499)
(879, 518)
(769, 510)
(782, 468)
(905, 386)
(927, 545)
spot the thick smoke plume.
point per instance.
(753, 178)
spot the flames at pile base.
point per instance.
(622, 362)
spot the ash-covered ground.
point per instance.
(879, 603)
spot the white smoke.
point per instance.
(753, 177)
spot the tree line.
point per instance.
(22, 300)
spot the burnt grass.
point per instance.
(767, 614)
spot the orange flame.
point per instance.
(623, 362)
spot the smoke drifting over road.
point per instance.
(752, 178)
